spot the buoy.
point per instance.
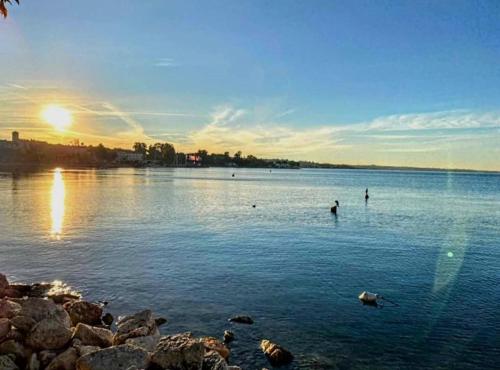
(367, 297)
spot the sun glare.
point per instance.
(59, 117)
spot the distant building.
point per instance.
(128, 156)
(15, 136)
(193, 160)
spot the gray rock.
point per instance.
(179, 352)
(9, 309)
(93, 336)
(64, 361)
(49, 333)
(6, 363)
(39, 309)
(147, 343)
(214, 361)
(114, 358)
(277, 355)
(84, 350)
(4, 327)
(140, 324)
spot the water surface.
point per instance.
(188, 244)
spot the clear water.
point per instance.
(188, 244)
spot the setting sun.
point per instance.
(60, 118)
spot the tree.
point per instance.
(140, 148)
(3, 7)
(167, 153)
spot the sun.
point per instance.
(59, 117)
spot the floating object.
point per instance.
(254, 206)
(367, 297)
(232, 175)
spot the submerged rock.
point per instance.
(242, 319)
(93, 336)
(114, 358)
(277, 355)
(179, 352)
(84, 312)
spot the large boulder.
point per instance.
(50, 333)
(23, 323)
(64, 361)
(17, 290)
(39, 309)
(213, 344)
(9, 309)
(277, 355)
(179, 352)
(114, 358)
(93, 336)
(4, 327)
(214, 361)
(140, 324)
(84, 312)
(6, 363)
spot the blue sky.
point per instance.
(400, 82)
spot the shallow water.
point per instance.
(188, 244)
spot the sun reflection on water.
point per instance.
(57, 204)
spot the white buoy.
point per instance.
(367, 297)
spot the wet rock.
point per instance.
(39, 290)
(148, 343)
(23, 323)
(228, 336)
(114, 358)
(214, 361)
(4, 284)
(15, 348)
(213, 344)
(63, 298)
(9, 309)
(179, 352)
(6, 363)
(242, 319)
(4, 327)
(33, 363)
(84, 312)
(64, 361)
(277, 355)
(107, 319)
(140, 324)
(50, 333)
(93, 336)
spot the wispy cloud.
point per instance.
(166, 62)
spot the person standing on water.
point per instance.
(334, 208)
(366, 195)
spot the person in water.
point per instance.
(334, 208)
(366, 195)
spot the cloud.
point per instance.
(165, 62)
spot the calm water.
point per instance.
(188, 244)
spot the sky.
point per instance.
(405, 83)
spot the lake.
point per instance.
(188, 244)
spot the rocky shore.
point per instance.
(47, 326)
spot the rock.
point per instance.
(140, 324)
(46, 357)
(147, 343)
(17, 290)
(4, 327)
(15, 335)
(114, 358)
(64, 361)
(84, 312)
(159, 321)
(213, 344)
(84, 350)
(107, 319)
(49, 333)
(214, 361)
(6, 363)
(4, 284)
(23, 323)
(33, 363)
(179, 352)
(242, 319)
(9, 309)
(39, 289)
(93, 336)
(228, 336)
(276, 354)
(233, 368)
(15, 348)
(63, 298)
(39, 309)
